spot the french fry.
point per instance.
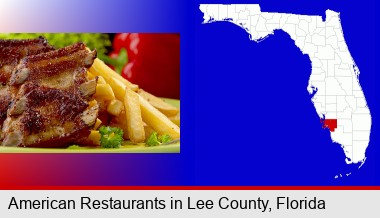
(122, 90)
(115, 107)
(154, 118)
(92, 103)
(99, 68)
(175, 119)
(104, 91)
(94, 137)
(97, 124)
(121, 123)
(130, 85)
(90, 76)
(118, 88)
(158, 103)
(133, 115)
(158, 121)
(101, 80)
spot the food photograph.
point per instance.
(89, 93)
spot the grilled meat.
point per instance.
(11, 52)
(50, 99)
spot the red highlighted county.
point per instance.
(332, 124)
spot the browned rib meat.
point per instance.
(50, 99)
(11, 52)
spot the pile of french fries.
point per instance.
(134, 110)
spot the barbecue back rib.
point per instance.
(50, 99)
(11, 52)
